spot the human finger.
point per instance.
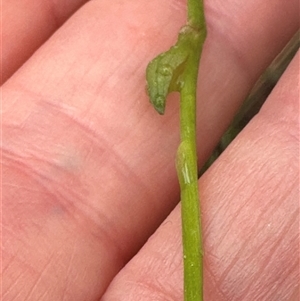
(26, 25)
(250, 213)
(70, 110)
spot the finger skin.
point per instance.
(26, 25)
(88, 163)
(250, 210)
(242, 41)
(91, 186)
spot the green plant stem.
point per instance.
(177, 70)
(195, 14)
(188, 176)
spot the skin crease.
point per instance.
(88, 166)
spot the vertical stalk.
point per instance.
(195, 14)
(177, 70)
(188, 178)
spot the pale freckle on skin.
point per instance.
(63, 178)
(57, 211)
(69, 160)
